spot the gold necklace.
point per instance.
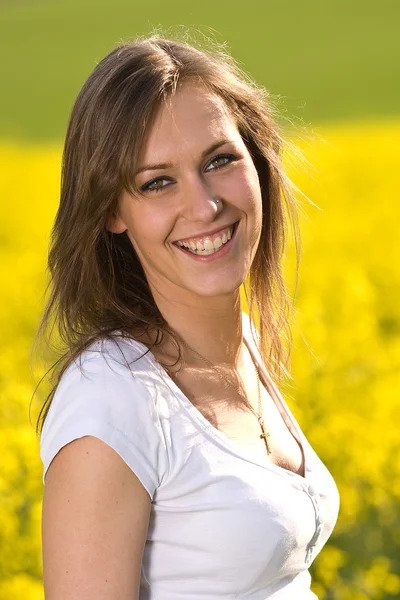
(264, 435)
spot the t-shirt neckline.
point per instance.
(218, 435)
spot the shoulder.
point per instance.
(117, 352)
(119, 362)
(116, 377)
(110, 392)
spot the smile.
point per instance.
(210, 244)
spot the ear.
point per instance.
(116, 225)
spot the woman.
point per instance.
(173, 467)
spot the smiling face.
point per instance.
(197, 222)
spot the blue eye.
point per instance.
(221, 161)
(156, 184)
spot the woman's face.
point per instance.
(197, 222)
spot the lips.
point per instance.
(209, 244)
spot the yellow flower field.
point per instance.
(345, 359)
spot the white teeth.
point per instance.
(208, 246)
(217, 243)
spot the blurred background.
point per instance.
(333, 70)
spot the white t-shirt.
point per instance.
(222, 524)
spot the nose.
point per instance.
(199, 201)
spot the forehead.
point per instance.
(189, 121)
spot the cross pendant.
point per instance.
(265, 435)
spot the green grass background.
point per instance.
(329, 60)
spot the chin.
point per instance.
(211, 289)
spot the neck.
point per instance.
(210, 326)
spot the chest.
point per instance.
(234, 522)
(226, 412)
(226, 511)
(243, 429)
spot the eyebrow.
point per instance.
(209, 150)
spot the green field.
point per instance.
(325, 60)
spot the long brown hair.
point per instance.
(97, 285)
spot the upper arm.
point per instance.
(94, 524)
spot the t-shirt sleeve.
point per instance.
(107, 400)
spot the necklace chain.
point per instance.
(265, 435)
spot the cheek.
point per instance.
(148, 228)
(252, 205)
(249, 192)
